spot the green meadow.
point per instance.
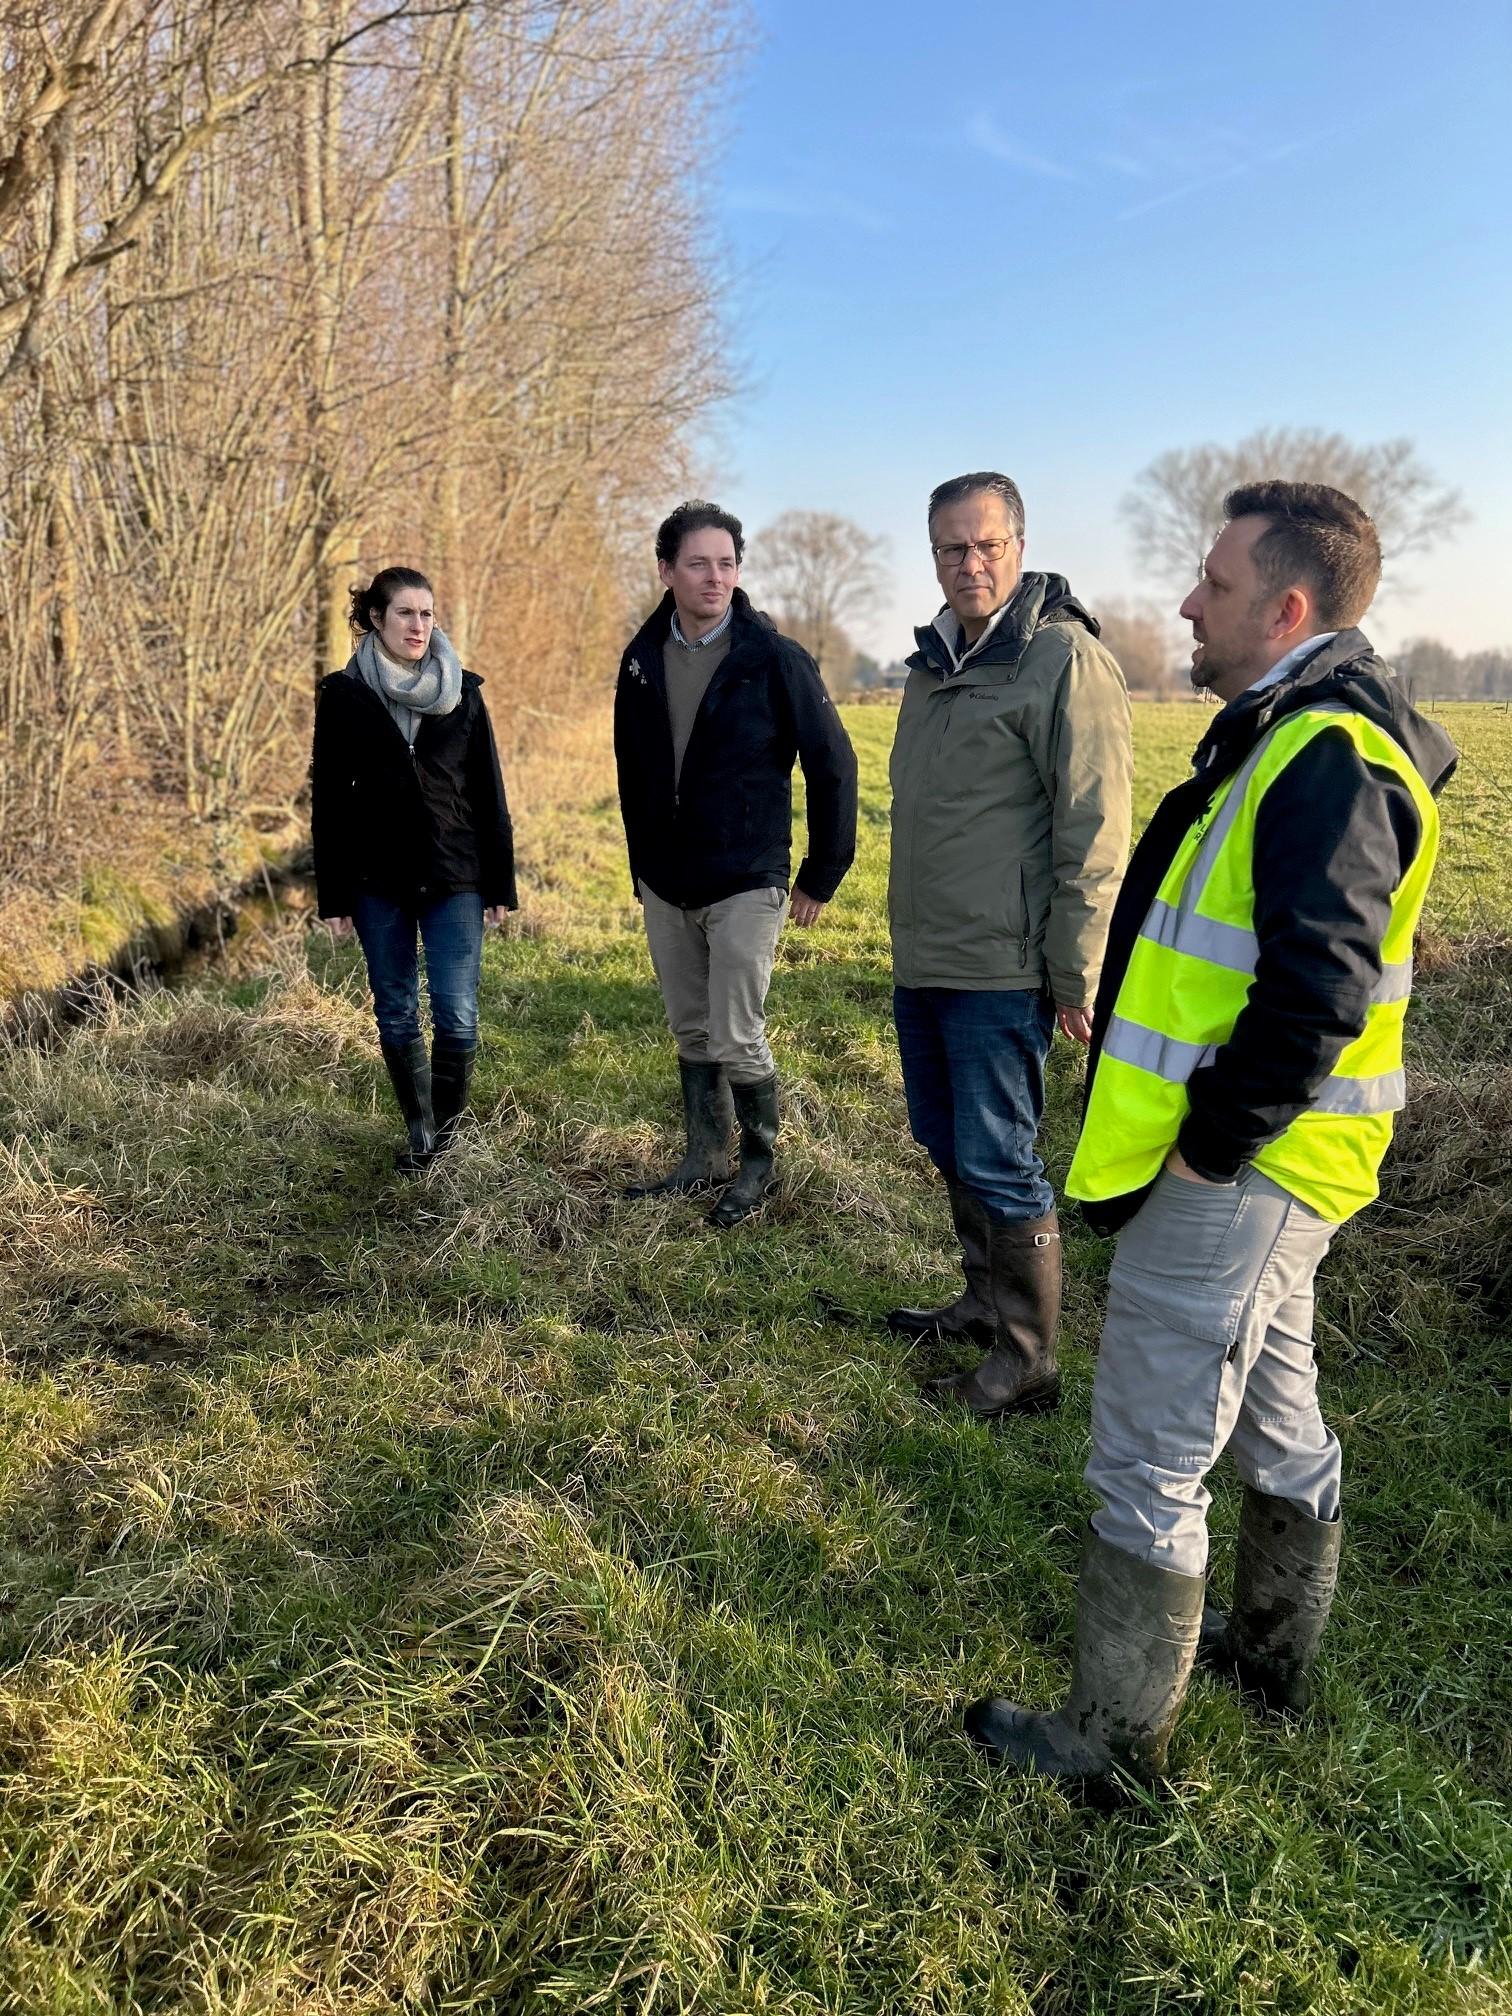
(488, 1594)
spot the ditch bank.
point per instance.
(170, 940)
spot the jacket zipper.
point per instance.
(913, 837)
(666, 707)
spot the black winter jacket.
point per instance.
(414, 828)
(1333, 838)
(727, 823)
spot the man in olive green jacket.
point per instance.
(1011, 775)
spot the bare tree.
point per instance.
(819, 572)
(1144, 641)
(1175, 508)
(58, 93)
(291, 290)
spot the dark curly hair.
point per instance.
(696, 516)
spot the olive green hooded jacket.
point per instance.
(1011, 773)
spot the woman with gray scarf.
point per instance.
(413, 842)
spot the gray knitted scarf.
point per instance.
(433, 685)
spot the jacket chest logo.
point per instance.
(634, 669)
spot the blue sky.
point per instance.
(1061, 239)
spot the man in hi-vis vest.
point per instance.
(1245, 1068)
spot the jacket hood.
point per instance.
(1037, 600)
(1346, 671)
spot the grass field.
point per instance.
(490, 1595)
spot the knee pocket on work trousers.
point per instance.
(1167, 1350)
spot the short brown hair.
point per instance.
(1318, 537)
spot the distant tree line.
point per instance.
(292, 288)
(1431, 671)
(820, 570)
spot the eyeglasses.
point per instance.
(991, 550)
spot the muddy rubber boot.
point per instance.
(1018, 1375)
(971, 1313)
(1285, 1573)
(709, 1117)
(756, 1110)
(1136, 1638)
(451, 1077)
(410, 1075)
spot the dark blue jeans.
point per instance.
(452, 933)
(974, 1075)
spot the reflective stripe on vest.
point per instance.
(1169, 1058)
(1189, 975)
(1233, 946)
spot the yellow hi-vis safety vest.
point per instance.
(1190, 974)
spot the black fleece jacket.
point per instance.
(726, 823)
(415, 828)
(1333, 837)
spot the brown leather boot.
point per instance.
(1018, 1375)
(970, 1314)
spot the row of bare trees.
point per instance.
(820, 573)
(291, 288)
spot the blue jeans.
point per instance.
(974, 1076)
(452, 933)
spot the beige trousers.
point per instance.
(714, 966)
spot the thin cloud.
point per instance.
(1197, 184)
(985, 135)
(1125, 165)
(821, 206)
(1158, 157)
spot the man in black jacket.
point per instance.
(1246, 1065)
(711, 711)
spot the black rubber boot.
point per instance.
(756, 1110)
(709, 1116)
(410, 1075)
(970, 1314)
(1285, 1573)
(1018, 1375)
(1136, 1637)
(451, 1077)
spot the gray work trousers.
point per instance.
(1208, 1346)
(714, 966)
